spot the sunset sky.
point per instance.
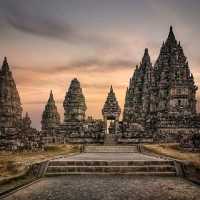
(49, 42)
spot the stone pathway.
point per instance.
(92, 187)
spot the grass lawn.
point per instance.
(14, 163)
(174, 151)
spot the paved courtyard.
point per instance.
(93, 187)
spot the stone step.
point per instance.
(110, 149)
(109, 163)
(110, 169)
(112, 173)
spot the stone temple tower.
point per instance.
(10, 104)
(162, 97)
(50, 116)
(74, 103)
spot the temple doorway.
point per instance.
(109, 129)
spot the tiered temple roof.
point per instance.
(74, 103)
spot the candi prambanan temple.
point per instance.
(160, 106)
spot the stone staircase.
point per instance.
(110, 149)
(116, 165)
(154, 168)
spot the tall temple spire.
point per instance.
(50, 116)
(10, 104)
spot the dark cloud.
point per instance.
(34, 18)
(19, 15)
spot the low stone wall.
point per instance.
(27, 176)
(190, 171)
(34, 170)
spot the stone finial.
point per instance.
(171, 39)
(111, 89)
(51, 99)
(146, 58)
(5, 66)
